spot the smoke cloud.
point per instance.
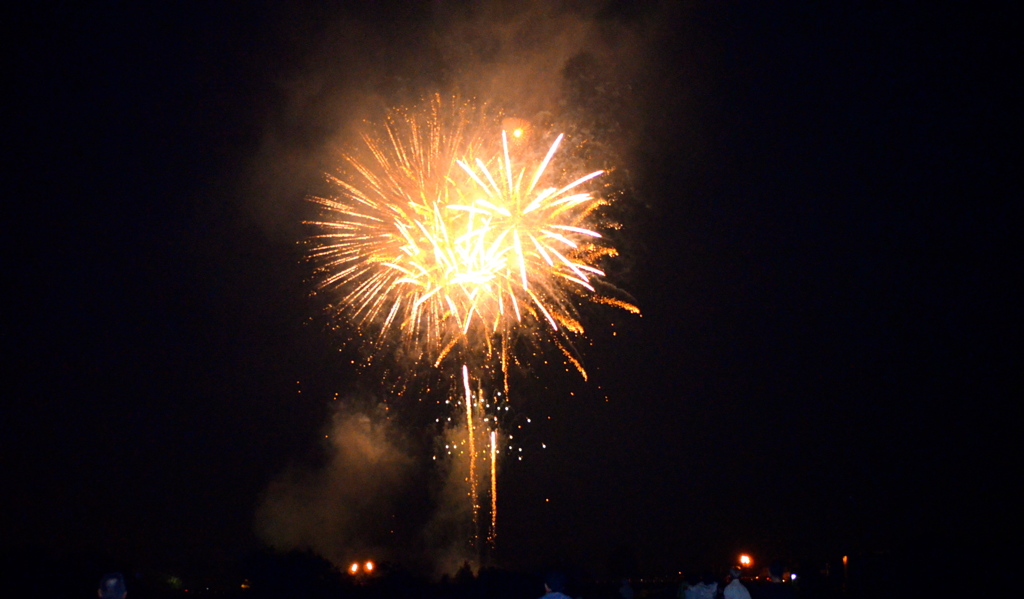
(344, 509)
(374, 497)
(542, 61)
(449, 529)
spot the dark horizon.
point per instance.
(813, 230)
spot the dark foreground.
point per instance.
(297, 574)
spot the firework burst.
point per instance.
(457, 243)
(440, 241)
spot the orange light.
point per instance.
(745, 560)
(368, 566)
(354, 568)
(517, 129)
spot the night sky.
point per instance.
(814, 230)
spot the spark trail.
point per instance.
(492, 534)
(472, 448)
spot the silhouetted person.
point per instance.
(706, 588)
(684, 585)
(626, 590)
(735, 588)
(112, 587)
(554, 586)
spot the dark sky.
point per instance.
(815, 234)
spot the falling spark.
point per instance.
(472, 447)
(492, 535)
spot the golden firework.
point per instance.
(449, 240)
(436, 240)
